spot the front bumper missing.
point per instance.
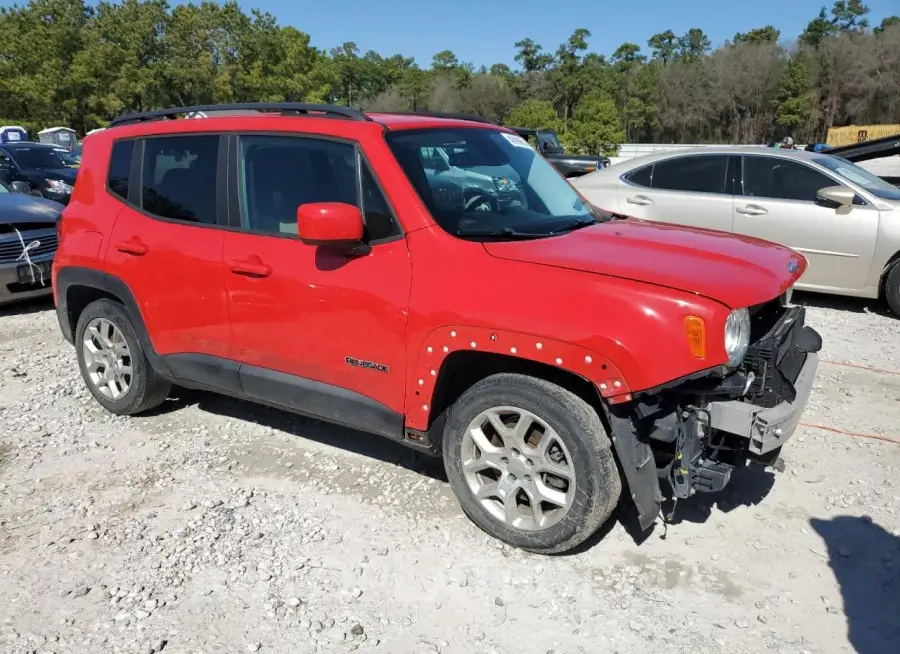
(766, 429)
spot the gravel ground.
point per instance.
(217, 526)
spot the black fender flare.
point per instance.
(107, 285)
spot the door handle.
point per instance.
(642, 200)
(134, 246)
(752, 210)
(252, 267)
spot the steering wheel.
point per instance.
(479, 199)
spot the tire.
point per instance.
(146, 389)
(892, 288)
(578, 434)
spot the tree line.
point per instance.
(67, 62)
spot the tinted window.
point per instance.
(120, 168)
(38, 157)
(280, 173)
(783, 179)
(640, 177)
(697, 174)
(179, 177)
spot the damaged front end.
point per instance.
(689, 435)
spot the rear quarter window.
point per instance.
(119, 174)
(640, 177)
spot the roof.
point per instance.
(532, 130)
(401, 121)
(390, 120)
(719, 149)
(17, 145)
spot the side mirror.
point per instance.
(331, 224)
(836, 196)
(20, 187)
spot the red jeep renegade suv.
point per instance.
(432, 280)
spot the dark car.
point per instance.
(27, 244)
(888, 146)
(41, 166)
(571, 165)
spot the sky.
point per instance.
(484, 31)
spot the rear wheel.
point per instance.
(892, 288)
(113, 363)
(530, 463)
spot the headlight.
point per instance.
(737, 335)
(59, 186)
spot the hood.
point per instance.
(65, 174)
(737, 271)
(578, 158)
(21, 208)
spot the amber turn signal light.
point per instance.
(695, 332)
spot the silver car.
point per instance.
(843, 218)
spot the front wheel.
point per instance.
(530, 463)
(892, 288)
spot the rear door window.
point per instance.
(179, 177)
(694, 174)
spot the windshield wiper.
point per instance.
(578, 223)
(502, 232)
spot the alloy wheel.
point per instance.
(107, 358)
(518, 468)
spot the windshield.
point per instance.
(550, 140)
(70, 158)
(478, 181)
(38, 158)
(860, 176)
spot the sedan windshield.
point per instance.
(479, 182)
(38, 158)
(859, 175)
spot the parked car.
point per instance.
(71, 159)
(27, 244)
(570, 165)
(839, 215)
(876, 149)
(41, 166)
(302, 257)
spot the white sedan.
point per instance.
(843, 218)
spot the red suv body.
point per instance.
(435, 281)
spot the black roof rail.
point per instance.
(284, 108)
(443, 114)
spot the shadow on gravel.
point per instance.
(350, 440)
(26, 307)
(865, 560)
(748, 487)
(841, 303)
